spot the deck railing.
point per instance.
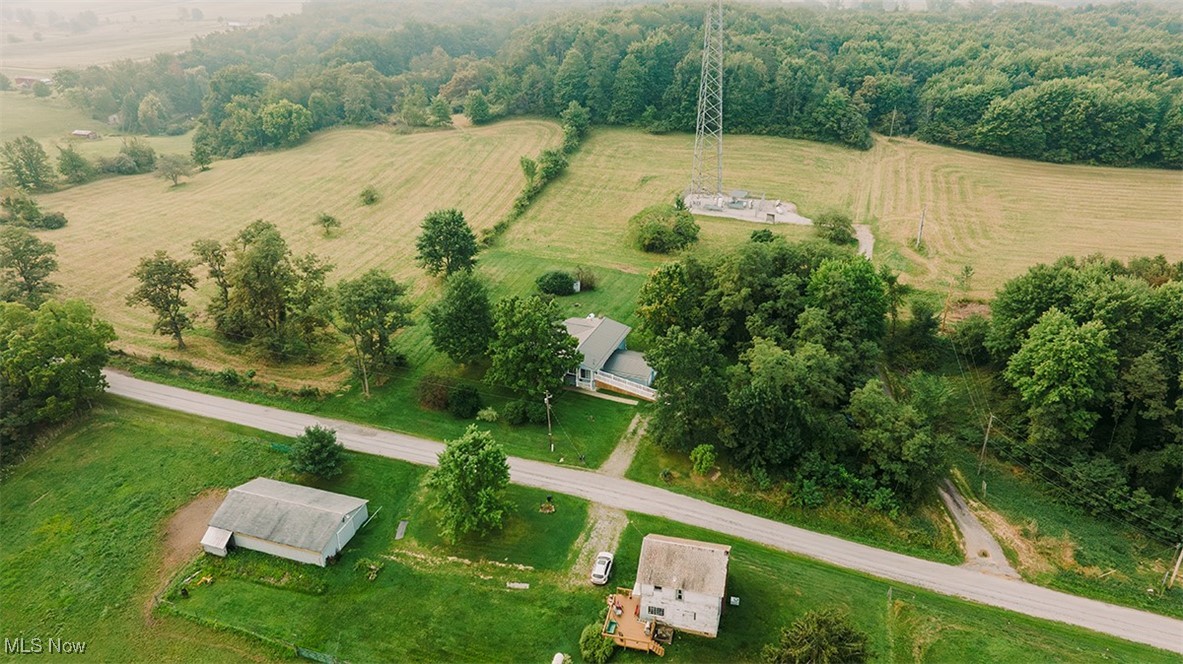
(624, 385)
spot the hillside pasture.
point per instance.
(50, 120)
(114, 222)
(1003, 215)
(127, 29)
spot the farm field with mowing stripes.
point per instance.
(999, 215)
(115, 222)
(127, 29)
(1003, 215)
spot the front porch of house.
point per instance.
(624, 625)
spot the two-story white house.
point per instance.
(682, 583)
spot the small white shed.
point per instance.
(286, 520)
(682, 582)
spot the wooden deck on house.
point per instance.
(624, 625)
(606, 381)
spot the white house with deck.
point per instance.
(608, 364)
(682, 583)
(287, 520)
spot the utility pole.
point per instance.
(920, 231)
(549, 434)
(982, 454)
(1175, 573)
(891, 134)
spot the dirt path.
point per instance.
(605, 525)
(182, 538)
(621, 458)
(982, 551)
(866, 240)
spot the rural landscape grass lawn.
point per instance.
(998, 214)
(126, 29)
(904, 624)
(926, 532)
(80, 550)
(1060, 546)
(584, 425)
(50, 121)
(1015, 216)
(81, 522)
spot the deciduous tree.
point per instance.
(531, 349)
(162, 281)
(173, 167)
(51, 363)
(446, 244)
(370, 310)
(26, 262)
(462, 321)
(26, 163)
(316, 452)
(74, 167)
(469, 484)
(692, 389)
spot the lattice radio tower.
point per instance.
(708, 131)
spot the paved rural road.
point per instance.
(1139, 626)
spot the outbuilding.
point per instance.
(682, 583)
(287, 520)
(84, 133)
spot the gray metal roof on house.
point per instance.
(629, 364)
(290, 514)
(673, 562)
(598, 338)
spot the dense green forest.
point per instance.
(1093, 85)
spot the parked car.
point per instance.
(602, 569)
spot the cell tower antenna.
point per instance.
(708, 131)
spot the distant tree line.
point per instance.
(1099, 84)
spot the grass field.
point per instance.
(114, 222)
(83, 517)
(51, 119)
(1060, 546)
(924, 532)
(127, 29)
(1000, 215)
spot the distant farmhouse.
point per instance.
(682, 583)
(30, 81)
(607, 363)
(287, 520)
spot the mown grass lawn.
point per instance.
(80, 549)
(924, 532)
(81, 522)
(904, 624)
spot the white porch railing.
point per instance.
(624, 385)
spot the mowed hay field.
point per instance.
(127, 29)
(1004, 215)
(115, 222)
(997, 214)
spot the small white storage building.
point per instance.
(286, 520)
(682, 583)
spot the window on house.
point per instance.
(678, 594)
(656, 611)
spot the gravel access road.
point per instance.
(1010, 594)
